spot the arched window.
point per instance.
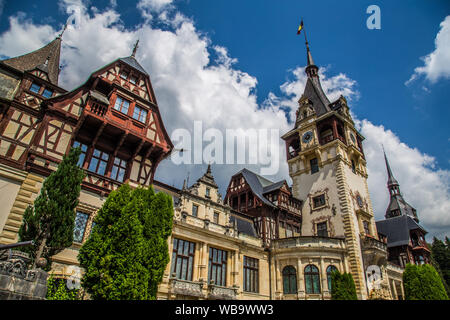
(289, 280)
(312, 279)
(330, 270)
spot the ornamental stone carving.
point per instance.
(222, 293)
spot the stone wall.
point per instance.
(17, 282)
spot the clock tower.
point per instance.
(328, 168)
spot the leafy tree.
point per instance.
(422, 282)
(342, 286)
(57, 290)
(50, 221)
(127, 252)
(440, 254)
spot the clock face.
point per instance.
(307, 136)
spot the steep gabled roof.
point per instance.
(397, 229)
(132, 62)
(45, 59)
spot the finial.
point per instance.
(209, 168)
(62, 32)
(135, 48)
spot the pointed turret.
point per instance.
(313, 89)
(45, 59)
(397, 205)
(392, 182)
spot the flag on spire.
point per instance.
(300, 27)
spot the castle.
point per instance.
(263, 240)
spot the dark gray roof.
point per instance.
(38, 58)
(131, 61)
(274, 186)
(397, 229)
(257, 184)
(398, 203)
(314, 92)
(244, 225)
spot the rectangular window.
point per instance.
(194, 210)
(366, 227)
(35, 87)
(140, 114)
(98, 162)
(133, 80)
(217, 271)
(251, 275)
(122, 105)
(118, 169)
(82, 156)
(207, 192)
(216, 217)
(80, 226)
(182, 259)
(322, 229)
(288, 230)
(314, 165)
(319, 201)
(47, 93)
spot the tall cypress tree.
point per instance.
(343, 286)
(440, 253)
(423, 283)
(50, 221)
(127, 252)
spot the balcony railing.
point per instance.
(186, 288)
(221, 293)
(372, 243)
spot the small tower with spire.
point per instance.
(397, 204)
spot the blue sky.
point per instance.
(261, 45)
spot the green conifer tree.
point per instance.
(422, 282)
(50, 221)
(343, 286)
(127, 252)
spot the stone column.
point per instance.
(394, 290)
(197, 259)
(203, 266)
(278, 279)
(324, 282)
(300, 280)
(403, 292)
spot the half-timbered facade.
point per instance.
(277, 214)
(113, 117)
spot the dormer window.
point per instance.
(35, 88)
(140, 114)
(122, 105)
(47, 93)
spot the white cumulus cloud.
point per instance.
(437, 63)
(191, 85)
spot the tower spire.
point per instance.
(62, 32)
(136, 45)
(391, 180)
(311, 69)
